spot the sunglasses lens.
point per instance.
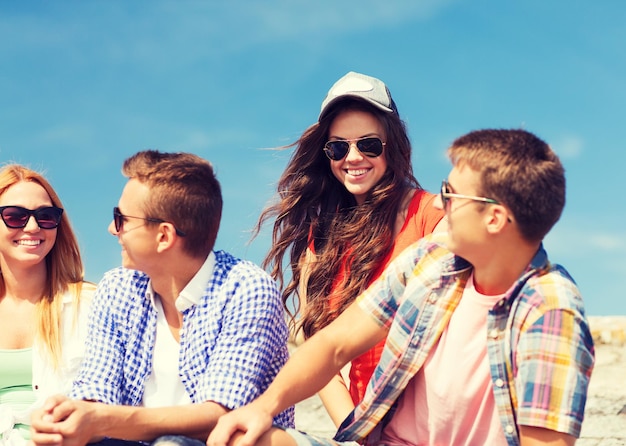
(444, 193)
(48, 218)
(15, 217)
(116, 219)
(371, 147)
(336, 150)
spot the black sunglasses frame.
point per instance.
(118, 221)
(337, 150)
(49, 211)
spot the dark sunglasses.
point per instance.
(446, 195)
(118, 221)
(17, 217)
(370, 147)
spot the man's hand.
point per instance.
(253, 421)
(63, 422)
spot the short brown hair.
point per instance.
(184, 191)
(520, 171)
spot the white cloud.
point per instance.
(608, 242)
(568, 147)
(124, 32)
(293, 18)
(74, 135)
(576, 239)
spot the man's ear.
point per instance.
(166, 236)
(497, 218)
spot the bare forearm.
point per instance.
(140, 423)
(309, 369)
(320, 358)
(536, 436)
(337, 399)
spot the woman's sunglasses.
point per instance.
(17, 217)
(370, 147)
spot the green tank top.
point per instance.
(16, 391)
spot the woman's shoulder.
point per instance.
(422, 206)
(419, 204)
(87, 288)
(80, 291)
(420, 217)
(420, 199)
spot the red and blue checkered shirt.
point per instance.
(539, 344)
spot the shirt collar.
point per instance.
(193, 291)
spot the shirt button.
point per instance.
(499, 382)
(509, 429)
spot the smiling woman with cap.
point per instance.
(349, 204)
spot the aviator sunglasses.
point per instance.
(446, 195)
(370, 147)
(118, 221)
(16, 217)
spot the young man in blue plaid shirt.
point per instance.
(180, 334)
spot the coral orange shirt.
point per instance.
(421, 219)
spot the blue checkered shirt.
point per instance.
(232, 344)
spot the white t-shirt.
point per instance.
(164, 386)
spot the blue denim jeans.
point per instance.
(177, 440)
(118, 442)
(304, 439)
(166, 440)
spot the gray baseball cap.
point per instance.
(361, 86)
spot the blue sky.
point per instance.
(85, 84)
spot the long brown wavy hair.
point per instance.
(314, 208)
(64, 267)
